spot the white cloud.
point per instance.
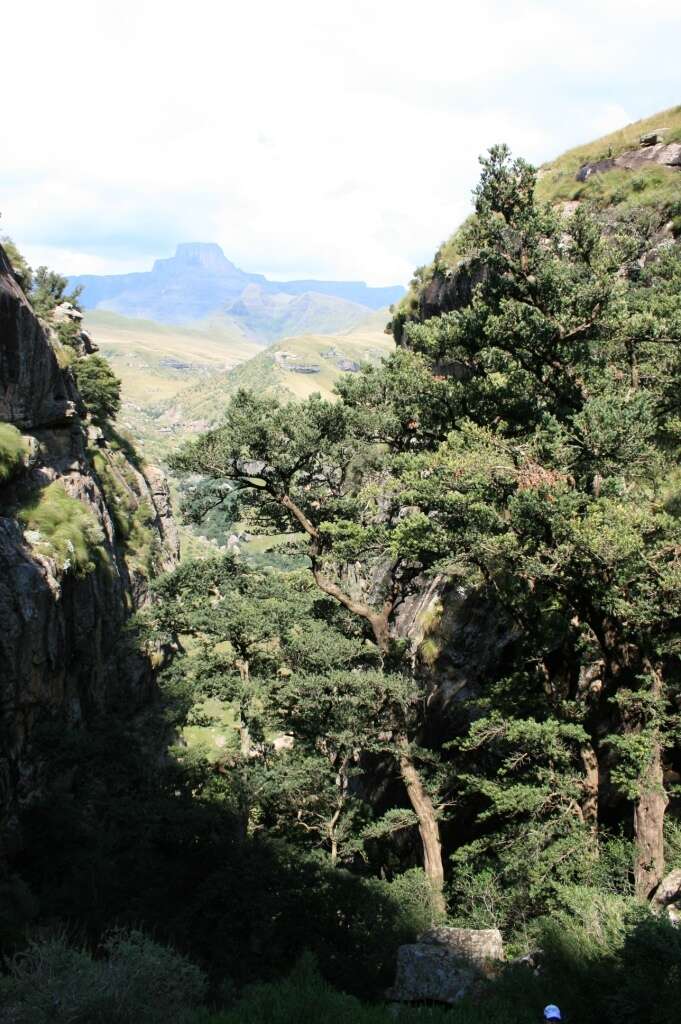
(307, 138)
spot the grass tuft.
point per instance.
(13, 450)
(61, 527)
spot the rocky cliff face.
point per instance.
(83, 524)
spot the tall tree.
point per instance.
(556, 488)
(310, 467)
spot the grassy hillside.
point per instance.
(654, 187)
(646, 186)
(156, 362)
(178, 381)
(267, 317)
(203, 402)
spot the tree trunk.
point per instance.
(649, 811)
(342, 784)
(589, 801)
(244, 731)
(429, 829)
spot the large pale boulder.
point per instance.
(667, 896)
(444, 964)
(476, 945)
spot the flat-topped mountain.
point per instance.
(200, 283)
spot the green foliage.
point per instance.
(21, 269)
(67, 332)
(13, 451)
(49, 291)
(160, 848)
(99, 387)
(610, 959)
(62, 528)
(138, 980)
(133, 518)
(290, 665)
(305, 998)
(522, 448)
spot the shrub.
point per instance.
(63, 528)
(49, 290)
(13, 448)
(650, 986)
(22, 271)
(133, 518)
(305, 998)
(68, 332)
(99, 387)
(138, 981)
(609, 959)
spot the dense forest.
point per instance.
(462, 702)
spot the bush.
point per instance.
(62, 528)
(138, 981)
(608, 959)
(650, 988)
(49, 290)
(99, 387)
(133, 518)
(68, 333)
(13, 448)
(305, 998)
(22, 271)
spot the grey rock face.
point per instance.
(429, 972)
(61, 650)
(167, 527)
(444, 964)
(34, 392)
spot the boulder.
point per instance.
(476, 945)
(669, 890)
(444, 964)
(668, 155)
(65, 312)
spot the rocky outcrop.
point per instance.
(445, 291)
(71, 569)
(445, 963)
(633, 160)
(34, 392)
(164, 521)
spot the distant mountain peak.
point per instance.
(198, 255)
(199, 282)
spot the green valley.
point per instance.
(397, 735)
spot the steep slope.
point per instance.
(635, 171)
(83, 525)
(199, 281)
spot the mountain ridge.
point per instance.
(200, 282)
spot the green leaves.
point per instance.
(99, 387)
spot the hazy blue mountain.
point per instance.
(199, 282)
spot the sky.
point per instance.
(319, 139)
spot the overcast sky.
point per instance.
(325, 139)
